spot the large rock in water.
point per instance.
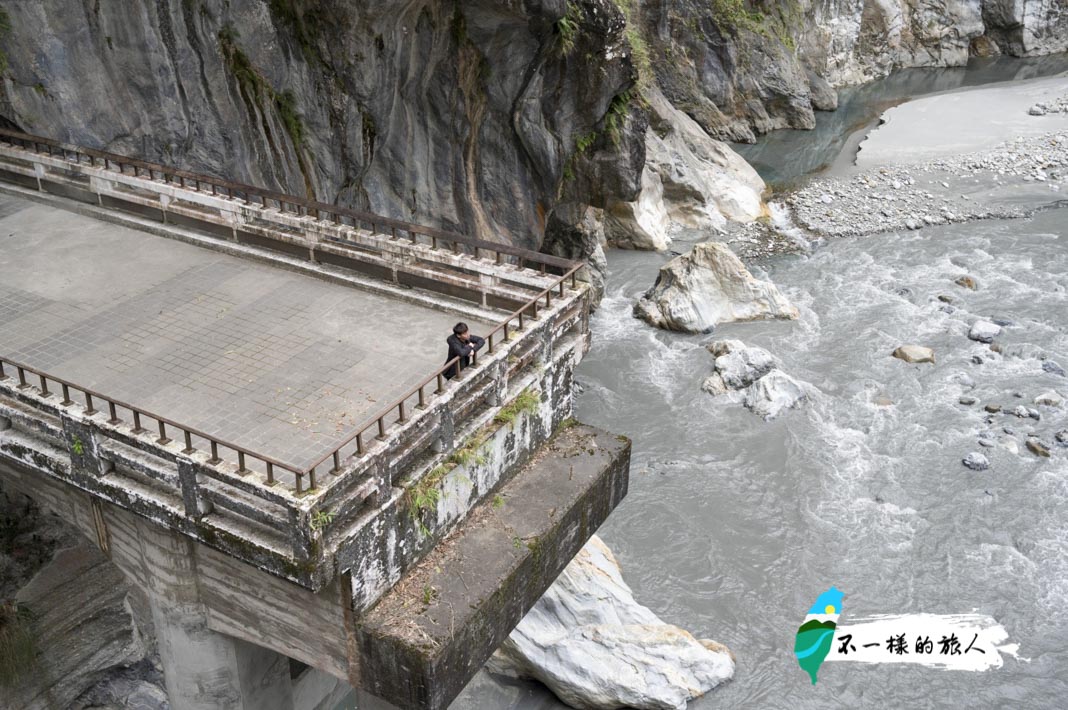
(914, 353)
(984, 331)
(593, 645)
(773, 394)
(737, 365)
(710, 285)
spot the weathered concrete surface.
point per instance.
(238, 599)
(215, 617)
(424, 640)
(174, 521)
(482, 455)
(278, 362)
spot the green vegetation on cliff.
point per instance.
(5, 29)
(18, 647)
(258, 94)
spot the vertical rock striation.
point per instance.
(465, 115)
(85, 623)
(744, 67)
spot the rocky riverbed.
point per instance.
(1009, 181)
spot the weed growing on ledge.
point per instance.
(735, 14)
(616, 116)
(5, 29)
(321, 518)
(525, 402)
(567, 29)
(425, 495)
(469, 452)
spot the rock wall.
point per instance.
(597, 648)
(744, 67)
(88, 628)
(503, 119)
(464, 115)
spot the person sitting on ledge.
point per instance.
(462, 344)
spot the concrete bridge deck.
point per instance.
(276, 361)
(156, 325)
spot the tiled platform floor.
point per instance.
(276, 361)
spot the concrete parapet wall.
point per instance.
(425, 639)
(244, 566)
(485, 452)
(209, 499)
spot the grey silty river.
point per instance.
(733, 525)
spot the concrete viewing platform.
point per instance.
(278, 361)
(239, 397)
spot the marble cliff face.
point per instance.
(499, 118)
(742, 69)
(462, 115)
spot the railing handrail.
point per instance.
(5, 360)
(571, 269)
(282, 198)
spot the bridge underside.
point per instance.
(222, 625)
(267, 358)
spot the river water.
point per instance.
(734, 525)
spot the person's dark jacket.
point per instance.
(462, 350)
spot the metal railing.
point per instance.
(397, 412)
(336, 214)
(92, 399)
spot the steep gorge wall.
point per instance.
(69, 623)
(482, 116)
(744, 67)
(463, 115)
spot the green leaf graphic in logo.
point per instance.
(816, 635)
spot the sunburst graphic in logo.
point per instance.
(816, 636)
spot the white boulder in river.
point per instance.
(710, 285)
(737, 365)
(597, 648)
(984, 331)
(773, 394)
(914, 353)
(1050, 399)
